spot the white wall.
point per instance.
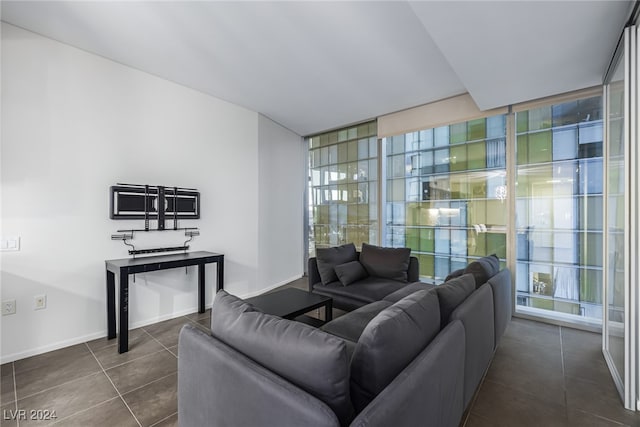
(281, 200)
(72, 125)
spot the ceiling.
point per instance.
(314, 66)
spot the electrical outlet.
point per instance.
(8, 307)
(39, 302)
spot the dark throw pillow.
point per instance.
(388, 263)
(389, 342)
(350, 272)
(452, 293)
(328, 258)
(312, 359)
(483, 269)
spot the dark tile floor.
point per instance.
(541, 375)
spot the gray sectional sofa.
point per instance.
(415, 357)
(354, 279)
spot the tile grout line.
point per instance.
(134, 359)
(158, 341)
(85, 410)
(113, 385)
(56, 386)
(564, 376)
(15, 391)
(164, 419)
(151, 382)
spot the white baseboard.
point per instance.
(89, 337)
(100, 334)
(270, 288)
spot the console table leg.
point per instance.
(220, 267)
(201, 290)
(111, 305)
(123, 336)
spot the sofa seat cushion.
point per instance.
(483, 269)
(390, 263)
(351, 325)
(452, 293)
(366, 290)
(312, 359)
(390, 342)
(350, 272)
(408, 290)
(329, 258)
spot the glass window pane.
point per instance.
(458, 158)
(496, 126)
(476, 156)
(363, 149)
(496, 153)
(352, 150)
(476, 129)
(441, 160)
(441, 136)
(540, 118)
(458, 133)
(426, 139)
(590, 173)
(565, 114)
(565, 144)
(539, 147)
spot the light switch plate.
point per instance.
(11, 243)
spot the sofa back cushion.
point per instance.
(329, 258)
(454, 274)
(390, 342)
(388, 263)
(310, 358)
(452, 293)
(483, 269)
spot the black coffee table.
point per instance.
(292, 303)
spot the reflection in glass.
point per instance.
(558, 236)
(343, 171)
(454, 194)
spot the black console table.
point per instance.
(124, 267)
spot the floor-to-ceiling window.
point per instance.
(343, 187)
(559, 208)
(621, 182)
(445, 194)
(616, 222)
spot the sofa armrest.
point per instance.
(220, 386)
(501, 287)
(413, 274)
(429, 391)
(313, 273)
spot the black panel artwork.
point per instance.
(154, 202)
(129, 202)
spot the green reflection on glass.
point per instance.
(457, 133)
(540, 147)
(477, 129)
